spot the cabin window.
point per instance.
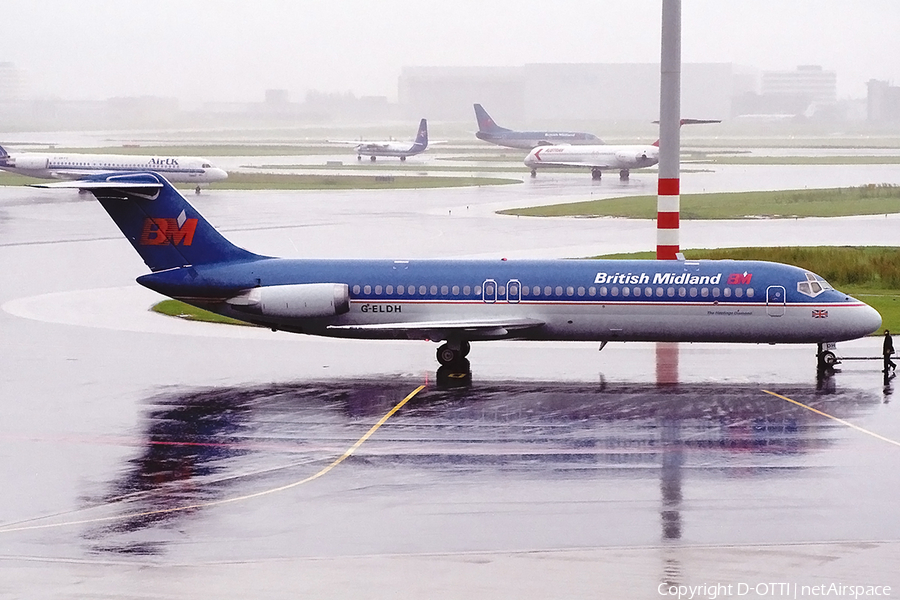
(738, 292)
(716, 292)
(466, 290)
(592, 291)
(581, 290)
(613, 291)
(423, 290)
(433, 290)
(537, 290)
(477, 290)
(704, 292)
(501, 291)
(727, 292)
(670, 292)
(547, 290)
(355, 289)
(625, 292)
(749, 292)
(558, 290)
(378, 290)
(524, 290)
(693, 292)
(367, 290)
(456, 290)
(444, 290)
(400, 289)
(570, 291)
(603, 290)
(682, 292)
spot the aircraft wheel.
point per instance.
(447, 355)
(623, 174)
(402, 159)
(372, 158)
(358, 157)
(534, 172)
(596, 174)
(828, 359)
(464, 348)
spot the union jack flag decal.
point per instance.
(820, 314)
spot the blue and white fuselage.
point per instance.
(178, 169)
(458, 301)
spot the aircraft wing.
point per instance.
(96, 185)
(474, 329)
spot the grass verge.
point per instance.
(873, 199)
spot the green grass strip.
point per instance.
(873, 199)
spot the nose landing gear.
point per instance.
(455, 370)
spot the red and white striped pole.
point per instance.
(668, 204)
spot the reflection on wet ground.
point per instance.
(205, 447)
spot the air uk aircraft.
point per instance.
(394, 149)
(461, 301)
(489, 131)
(600, 156)
(179, 169)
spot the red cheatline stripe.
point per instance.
(667, 220)
(668, 187)
(666, 252)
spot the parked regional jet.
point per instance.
(460, 301)
(180, 169)
(489, 131)
(399, 149)
(599, 157)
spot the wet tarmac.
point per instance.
(144, 457)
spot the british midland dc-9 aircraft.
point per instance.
(489, 131)
(600, 156)
(460, 301)
(178, 169)
(394, 149)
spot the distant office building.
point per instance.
(518, 96)
(11, 84)
(882, 102)
(809, 82)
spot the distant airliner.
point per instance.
(601, 156)
(396, 149)
(179, 169)
(489, 131)
(460, 301)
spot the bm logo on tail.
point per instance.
(163, 231)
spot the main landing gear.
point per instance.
(596, 174)
(358, 157)
(623, 175)
(372, 158)
(534, 173)
(455, 370)
(402, 159)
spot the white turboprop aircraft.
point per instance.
(599, 156)
(177, 169)
(392, 148)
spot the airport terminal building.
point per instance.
(535, 93)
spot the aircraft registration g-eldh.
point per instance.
(460, 301)
(179, 169)
(397, 149)
(599, 157)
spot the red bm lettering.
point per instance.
(159, 232)
(739, 278)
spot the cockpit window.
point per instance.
(206, 166)
(813, 286)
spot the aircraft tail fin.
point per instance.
(161, 225)
(3, 153)
(485, 122)
(421, 136)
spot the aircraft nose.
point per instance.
(216, 174)
(869, 319)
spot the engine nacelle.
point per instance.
(628, 156)
(31, 163)
(297, 301)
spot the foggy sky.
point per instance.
(233, 50)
